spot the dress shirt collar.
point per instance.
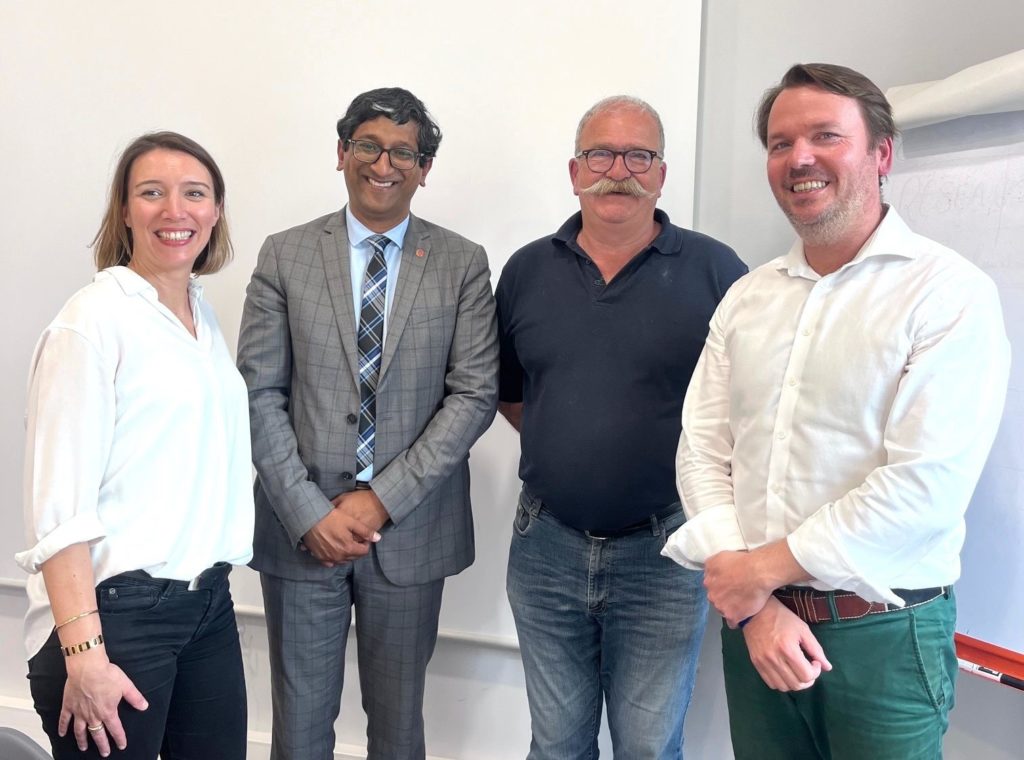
(892, 237)
(133, 283)
(359, 232)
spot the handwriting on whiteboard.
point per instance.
(973, 204)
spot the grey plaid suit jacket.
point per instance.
(436, 395)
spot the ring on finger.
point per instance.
(97, 727)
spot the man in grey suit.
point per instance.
(368, 343)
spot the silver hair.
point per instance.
(621, 101)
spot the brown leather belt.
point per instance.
(813, 606)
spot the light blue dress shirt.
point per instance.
(360, 252)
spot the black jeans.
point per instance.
(180, 648)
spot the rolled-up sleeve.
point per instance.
(70, 420)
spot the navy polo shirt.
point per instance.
(602, 369)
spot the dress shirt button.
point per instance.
(599, 282)
(781, 434)
(352, 418)
(777, 488)
(346, 476)
(807, 331)
(792, 381)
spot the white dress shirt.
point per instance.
(137, 441)
(850, 414)
(360, 252)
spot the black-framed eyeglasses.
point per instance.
(637, 160)
(368, 152)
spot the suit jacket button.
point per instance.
(352, 419)
(346, 476)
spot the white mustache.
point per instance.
(629, 186)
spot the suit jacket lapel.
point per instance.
(334, 248)
(415, 253)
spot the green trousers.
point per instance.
(887, 697)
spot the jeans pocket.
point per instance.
(117, 598)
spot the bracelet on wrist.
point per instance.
(84, 646)
(79, 616)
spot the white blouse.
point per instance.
(137, 441)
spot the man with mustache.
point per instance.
(833, 434)
(600, 326)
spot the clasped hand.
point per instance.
(782, 648)
(347, 531)
(733, 586)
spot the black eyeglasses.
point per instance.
(368, 152)
(637, 160)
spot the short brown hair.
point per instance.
(113, 242)
(839, 80)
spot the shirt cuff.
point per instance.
(79, 529)
(704, 535)
(814, 548)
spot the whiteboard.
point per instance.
(972, 199)
(260, 84)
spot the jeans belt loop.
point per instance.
(655, 526)
(533, 504)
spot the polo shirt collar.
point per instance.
(667, 242)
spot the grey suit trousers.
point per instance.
(308, 625)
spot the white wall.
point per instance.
(260, 84)
(747, 46)
(52, 195)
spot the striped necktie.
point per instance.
(371, 344)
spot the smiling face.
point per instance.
(822, 168)
(379, 195)
(618, 128)
(170, 210)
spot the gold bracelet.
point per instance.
(79, 616)
(85, 646)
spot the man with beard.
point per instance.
(600, 326)
(833, 434)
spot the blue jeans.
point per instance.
(180, 648)
(603, 620)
